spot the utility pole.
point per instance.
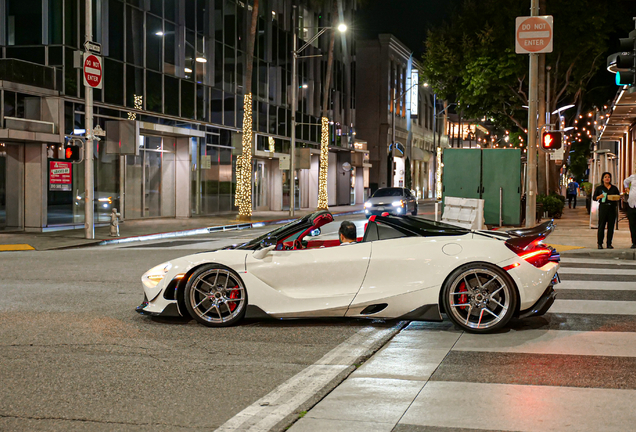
(531, 195)
(392, 146)
(89, 222)
(294, 89)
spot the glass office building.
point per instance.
(175, 71)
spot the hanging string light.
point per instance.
(438, 174)
(324, 165)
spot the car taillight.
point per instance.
(537, 257)
(535, 253)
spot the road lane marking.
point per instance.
(563, 248)
(296, 392)
(597, 271)
(15, 247)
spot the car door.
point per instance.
(319, 279)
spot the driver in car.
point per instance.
(347, 232)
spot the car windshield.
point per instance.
(388, 192)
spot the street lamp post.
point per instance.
(294, 85)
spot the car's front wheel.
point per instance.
(215, 296)
(479, 297)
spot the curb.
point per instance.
(206, 230)
(625, 254)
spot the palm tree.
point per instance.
(324, 136)
(243, 197)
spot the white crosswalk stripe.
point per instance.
(539, 374)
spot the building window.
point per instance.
(24, 22)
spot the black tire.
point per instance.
(489, 301)
(215, 296)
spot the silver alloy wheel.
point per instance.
(217, 296)
(479, 299)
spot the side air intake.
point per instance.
(369, 310)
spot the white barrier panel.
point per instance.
(465, 212)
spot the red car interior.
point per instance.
(318, 222)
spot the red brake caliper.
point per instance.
(233, 295)
(463, 298)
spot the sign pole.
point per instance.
(292, 150)
(89, 222)
(531, 194)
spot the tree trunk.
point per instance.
(324, 136)
(244, 161)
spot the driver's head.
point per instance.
(347, 232)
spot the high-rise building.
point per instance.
(397, 116)
(174, 72)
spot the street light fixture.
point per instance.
(563, 108)
(295, 56)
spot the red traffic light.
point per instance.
(69, 153)
(551, 140)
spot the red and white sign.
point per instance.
(60, 176)
(92, 70)
(534, 35)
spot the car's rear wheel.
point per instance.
(479, 297)
(215, 296)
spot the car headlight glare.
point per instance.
(367, 204)
(398, 203)
(155, 275)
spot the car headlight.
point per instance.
(398, 203)
(155, 275)
(367, 205)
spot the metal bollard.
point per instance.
(437, 211)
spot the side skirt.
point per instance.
(423, 313)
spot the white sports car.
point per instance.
(403, 268)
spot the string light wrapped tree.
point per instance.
(244, 162)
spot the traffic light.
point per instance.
(72, 152)
(551, 140)
(624, 62)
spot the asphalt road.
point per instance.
(76, 356)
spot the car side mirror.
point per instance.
(262, 253)
(314, 232)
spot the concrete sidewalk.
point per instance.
(573, 237)
(151, 229)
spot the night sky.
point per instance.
(408, 20)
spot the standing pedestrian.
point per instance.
(606, 194)
(573, 191)
(630, 188)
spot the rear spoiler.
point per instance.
(521, 238)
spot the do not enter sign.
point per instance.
(533, 35)
(92, 71)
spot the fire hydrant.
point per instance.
(114, 223)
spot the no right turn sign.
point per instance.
(534, 35)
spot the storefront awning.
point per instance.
(623, 115)
(153, 128)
